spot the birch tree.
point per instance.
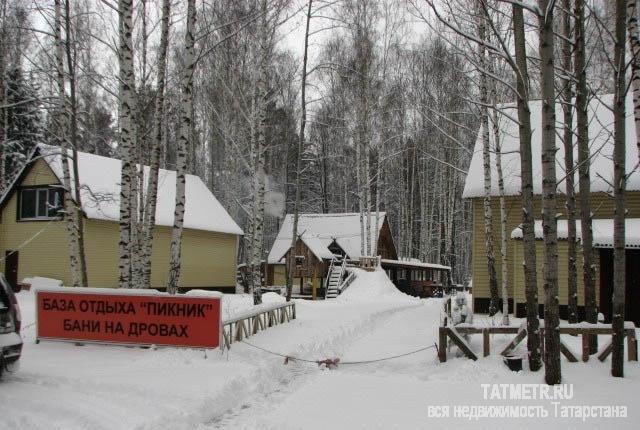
(619, 186)
(69, 204)
(526, 178)
(264, 44)
(486, 161)
(567, 110)
(495, 123)
(503, 220)
(301, 139)
(584, 176)
(156, 148)
(3, 67)
(126, 84)
(549, 205)
(183, 143)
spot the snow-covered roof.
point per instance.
(415, 263)
(602, 232)
(100, 193)
(318, 231)
(600, 144)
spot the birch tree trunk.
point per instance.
(259, 183)
(503, 222)
(70, 212)
(154, 167)
(486, 157)
(303, 124)
(367, 193)
(3, 110)
(619, 186)
(634, 45)
(504, 264)
(567, 94)
(360, 191)
(549, 205)
(584, 176)
(378, 196)
(181, 152)
(126, 91)
(528, 234)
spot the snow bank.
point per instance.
(237, 304)
(373, 287)
(39, 282)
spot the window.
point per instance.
(40, 203)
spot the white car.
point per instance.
(10, 320)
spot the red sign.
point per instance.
(143, 319)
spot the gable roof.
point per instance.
(100, 192)
(318, 231)
(600, 145)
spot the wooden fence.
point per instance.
(244, 325)
(455, 334)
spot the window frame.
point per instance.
(37, 189)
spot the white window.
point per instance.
(40, 203)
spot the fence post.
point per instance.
(442, 344)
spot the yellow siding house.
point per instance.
(602, 207)
(34, 240)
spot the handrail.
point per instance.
(259, 318)
(266, 307)
(326, 281)
(347, 282)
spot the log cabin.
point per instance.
(323, 237)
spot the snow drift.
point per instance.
(373, 287)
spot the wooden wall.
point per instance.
(386, 247)
(602, 207)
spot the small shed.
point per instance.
(416, 278)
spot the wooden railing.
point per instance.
(369, 263)
(457, 333)
(349, 279)
(249, 323)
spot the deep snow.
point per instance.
(63, 386)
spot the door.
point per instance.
(632, 279)
(11, 267)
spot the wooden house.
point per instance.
(34, 240)
(324, 236)
(602, 208)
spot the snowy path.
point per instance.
(300, 374)
(63, 386)
(395, 394)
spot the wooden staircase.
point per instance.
(333, 283)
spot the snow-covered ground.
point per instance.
(63, 386)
